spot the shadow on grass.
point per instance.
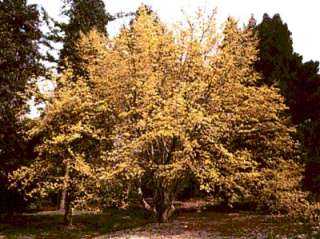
(84, 225)
(226, 224)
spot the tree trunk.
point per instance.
(63, 199)
(64, 190)
(163, 201)
(65, 202)
(144, 203)
(67, 212)
(165, 215)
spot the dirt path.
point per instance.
(174, 230)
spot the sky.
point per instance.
(302, 17)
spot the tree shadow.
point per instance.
(87, 224)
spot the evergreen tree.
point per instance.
(299, 83)
(84, 16)
(252, 22)
(306, 109)
(19, 67)
(281, 66)
(275, 50)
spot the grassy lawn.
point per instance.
(84, 225)
(227, 225)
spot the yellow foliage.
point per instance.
(162, 104)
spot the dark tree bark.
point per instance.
(65, 203)
(67, 211)
(163, 201)
(64, 190)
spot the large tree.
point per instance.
(19, 67)
(173, 104)
(178, 102)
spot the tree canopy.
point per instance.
(157, 106)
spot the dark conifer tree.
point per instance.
(275, 50)
(300, 85)
(19, 65)
(84, 16)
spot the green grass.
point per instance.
(84, 225)
(229, 225)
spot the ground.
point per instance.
(219, 225)
(136, 224)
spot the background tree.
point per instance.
(19, 68)
(306, 107)
(275, 51)
(298, 82)
(84, 16)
